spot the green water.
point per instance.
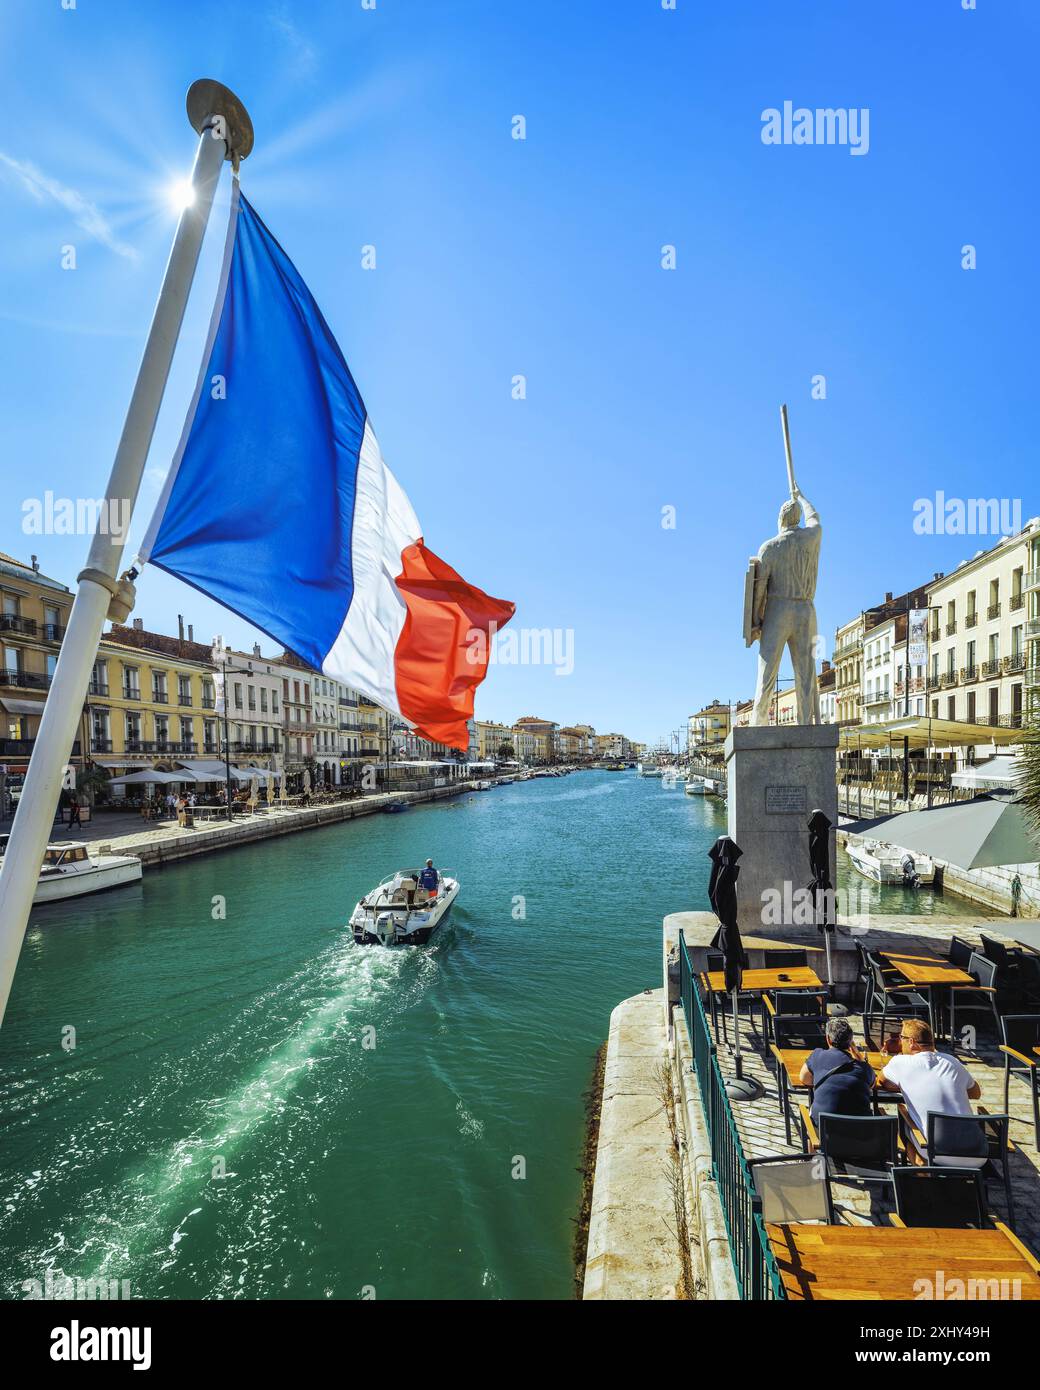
(240, 1042)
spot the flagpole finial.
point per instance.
(208, 99)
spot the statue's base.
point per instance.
(777, 777)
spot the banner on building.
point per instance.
(917, 654)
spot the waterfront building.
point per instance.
(545, 732)
(614, 747)
(151, 701)
(587, 735)
(35, 611)
(982, 637)
(526, 745)
(848, 671)
(490, 738)
(348, 703)
(742, 712)
(878, 669)
(1031, 588)
(297, 727)
(254, 714)
(708, 729)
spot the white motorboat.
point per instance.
(650, 770)
(400, 913)
(888, 864)
(696, 786)
(70, 870)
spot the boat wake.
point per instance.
(138, 1225)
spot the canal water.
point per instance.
(251, 1106)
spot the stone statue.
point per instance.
(780, 599)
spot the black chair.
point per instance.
(1021, 1034)
(951, 1197)
(786, 960)
(857, 1148)
(958, 1140)
(799, 1031)
(983, 992)
(1016, 968)
(790, 1001)
(897, 1000)
(961, 952)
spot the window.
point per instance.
(99, 678)
(209, 735)
(11, 605)
(251, 697)
(159, 691)
(133, 733)
(263, 700)
(187, 734)
(131, 683)
(184, 690)
(238, 694)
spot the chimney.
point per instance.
(35, 563)
(139, 625)
(256, 648)
(888, 597)
(938, 574)
(191, 632)
(180, 626)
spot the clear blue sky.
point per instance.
(646, 388)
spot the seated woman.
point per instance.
(842, 1081)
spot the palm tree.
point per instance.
(1029, 779)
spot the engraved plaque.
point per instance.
(784, 800)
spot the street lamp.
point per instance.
(219, 657)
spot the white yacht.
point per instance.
(885, 863)
(69, 870)
(696, 786)
(400, 913)
(650, 770)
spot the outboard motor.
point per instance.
(385, 928)
(911, 878)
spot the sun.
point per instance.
(180, 194)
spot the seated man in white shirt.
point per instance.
(931, 1082)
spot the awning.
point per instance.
(135, 779)
(22, 706)
(1002, 771)
(978, 834)
(922, 732)
(203, 771)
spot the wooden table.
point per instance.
(886, 1263)
(756, 981)
(789, 1066)
(928, 973)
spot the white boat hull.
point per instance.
(887, 868)
(378, 923)
(76, 883)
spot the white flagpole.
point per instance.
(225, 132)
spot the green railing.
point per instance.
(753, 1262)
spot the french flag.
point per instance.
(278, 505)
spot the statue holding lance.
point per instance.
(779, 590)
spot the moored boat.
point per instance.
(696, 786)
(888, 864)
(399, 913)
(69, 870)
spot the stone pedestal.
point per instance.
(777, 777)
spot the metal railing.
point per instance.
(753, 1261)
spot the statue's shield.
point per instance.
(751, 633)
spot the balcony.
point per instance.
(345, 700)
(972, 619)
(934, 634)
(101, 745)
(993, 611)
(208, 702)
(351, 728)
(23, 747)
(160, 746)
(1016, 661)
(98, 688)
(950, 678)
(131, 693)
(1031, 580)
(184, 701)
(25, 680)
(879, 697)
(990, 668)
(969, 673)
(951, 628)
(160, 697)
(1016, 601)
(369, 753)
(12, 622)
